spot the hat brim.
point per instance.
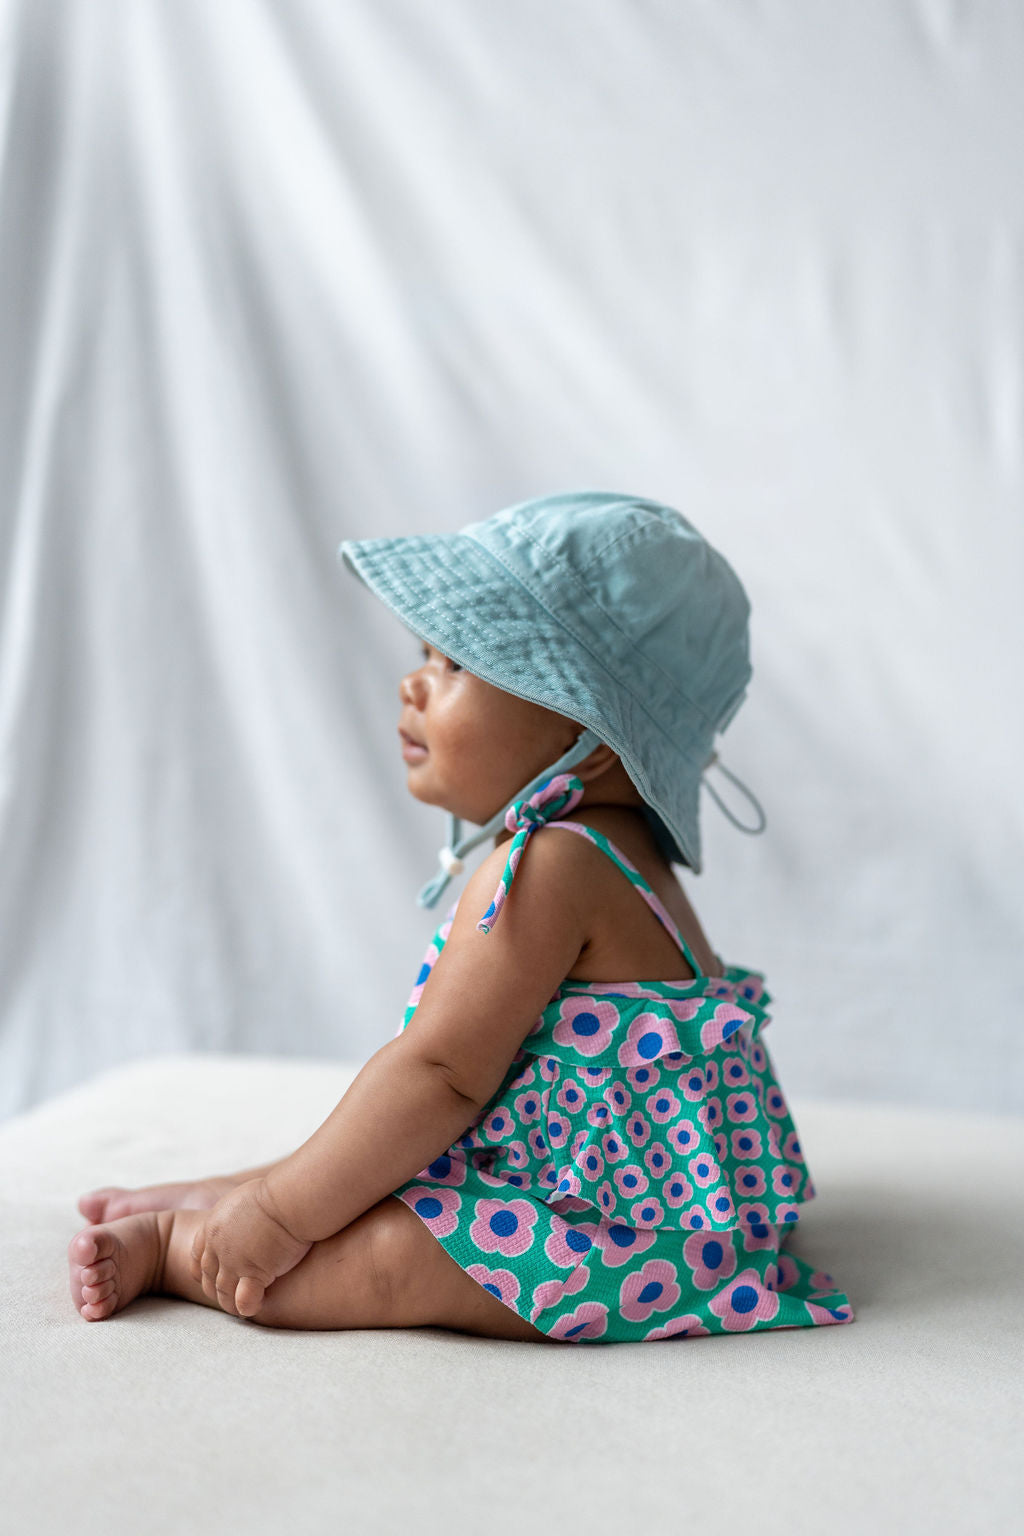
(452, 592)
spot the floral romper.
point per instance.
(637, 1173)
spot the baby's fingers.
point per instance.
(249, 1294)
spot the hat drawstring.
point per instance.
(715, 759)
(451, 855)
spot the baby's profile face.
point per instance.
(478, 744)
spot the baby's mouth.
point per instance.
(412, 750)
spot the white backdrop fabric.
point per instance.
(277, 274)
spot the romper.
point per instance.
(637, 1173)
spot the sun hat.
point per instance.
(610, 609)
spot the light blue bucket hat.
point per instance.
(610, 609)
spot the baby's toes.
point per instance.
(96, 1273)
(100, 1292)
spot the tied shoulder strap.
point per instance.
(550, 801)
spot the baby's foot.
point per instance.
(111, 1265)
(113, 1201)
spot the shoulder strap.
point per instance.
(631, 872)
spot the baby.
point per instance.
(550, 1153)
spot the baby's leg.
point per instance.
(114, 1200)
(384, 1270)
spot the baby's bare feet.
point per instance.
(110, 1265)
(113, 1201)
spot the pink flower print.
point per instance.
(719, 1204)
(525, 1076)
(586, 1023)
(785, 1180)
(549, 1068)
(648, 1036)
(568, 1182)
(657, 1160)
(711, 1075)
(744, 1302)
(709, 1115)
(613, 1147)
(734, 1071)
(436, 1207)
(618, 1097)
(722, 1025)
(746, 1144)
(606, 1198)
(759, 1235)
(630, 1181)
(590, 1164)
(791, 1149)
(691, 1084)
(786, 1213)
(685, 1327)
(619, 1244)
(821, 1280)
(538, 1146)
(505, 1226)
(683, 1136)
(589, 1321)
(823, 1314)
(516, 1154)
(750, 1180)
(720, 1146)
(647, 1212)
(662, 1105)
(426, 967)
(579, 1141)
(788, 1272)
(643, 1078)
(711, 1259)
(527, 1106)
(758, 1056)
(774, 1102)
(598, 1115)
(809, 1190)
(741, 1108)
(444, 1170)
(695, 1218)
(570, 1097)
(704, 1169)
(559, 1129)
(676, 1189)
(753, 1213)
(498, 1124)
(595, 1076)
(567, 1244)
(674, 1061)
(550, 1292)
(651, 1288)
(500, 1282)
(638, 1128)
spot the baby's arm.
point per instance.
(421, 1090)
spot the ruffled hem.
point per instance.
(677, 1118)
(583, 1279)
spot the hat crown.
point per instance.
(644, 572)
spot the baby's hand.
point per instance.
(241, 1247)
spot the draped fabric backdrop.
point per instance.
(277, 274)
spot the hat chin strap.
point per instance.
(451, 855)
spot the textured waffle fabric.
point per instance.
(637, 1172)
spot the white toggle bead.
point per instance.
(450, 864)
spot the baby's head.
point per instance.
(596, 634)
(470, 746)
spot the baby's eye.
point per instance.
(425, 653)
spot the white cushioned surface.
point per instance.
(171, 1417)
